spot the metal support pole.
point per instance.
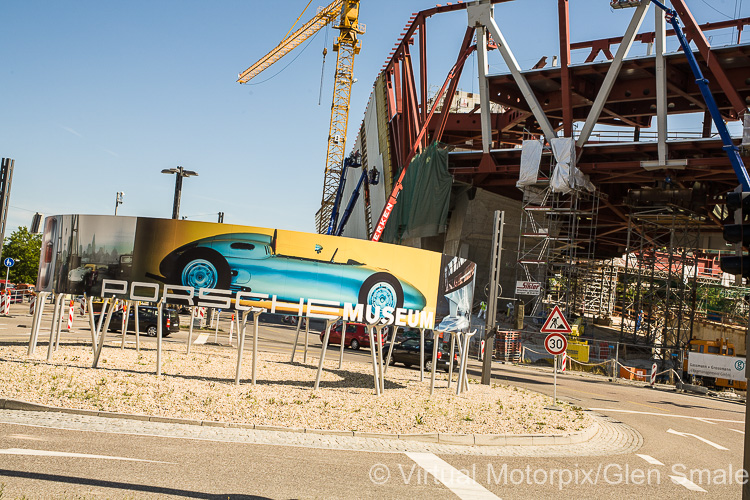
(421, 354)
(38, 311)
(159, 334)
(554, 400)
(102, 332)
(327, 335)
(307, 334)
(435, 341)
(379, 331)
(190, 328)
(296, 339)
(124, 323)
(484, 89)
(60, 319)
(137, 328)
(390, 351)
(450, 360)
(660, 29)
(343, 343)
(256, 314)
(240, 347)
(497, 251)
(53, 327)
(375, 379)
(92, 323)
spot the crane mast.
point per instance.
(347, 46)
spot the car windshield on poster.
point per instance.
(250, 268)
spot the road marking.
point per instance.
(649, 459)
(669, 415)
(202, 338)
(735, 430)
(46, 453)
(687, 483)
(649, 406)
(710, 443)
(459, 483)
(706, 421)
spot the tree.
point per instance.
(25, 249)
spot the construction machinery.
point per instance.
(366, 179)
(347, 46)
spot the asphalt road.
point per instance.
(692, 446)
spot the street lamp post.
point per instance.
(180, 173)
(118, 200)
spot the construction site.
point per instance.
(610, 211)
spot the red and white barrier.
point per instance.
(564, 361)
(654, 367)
(70, 314)
(5, 303)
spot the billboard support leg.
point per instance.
(421, 354)
(296, 339)
(53, 327)
(381, 371)
(92, 323)
(327, 335)
(240, 346)
(375, 379)
(60, 319)
(390, 350)
(103, 333)
(159, 312)
(38, 311)
(307, 334)
(137, 328)
(125, 321)
(450, 360)
(256, 314)
(435, 340)
(190, 329)
(343, 343)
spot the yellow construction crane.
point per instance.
(347, 46)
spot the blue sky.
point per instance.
(99, 97)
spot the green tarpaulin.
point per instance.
(422, 208)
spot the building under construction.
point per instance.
(609, 213)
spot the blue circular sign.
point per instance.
(9, 262)
(739, 365)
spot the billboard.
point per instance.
(240, 267)
(716, 366)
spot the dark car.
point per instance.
(147, 321)
(407, 352)
(356, 335)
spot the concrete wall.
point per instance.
(711, 330)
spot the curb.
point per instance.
(435, 437)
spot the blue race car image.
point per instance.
(248, 262)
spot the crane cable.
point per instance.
(323, 68)
(298, 18)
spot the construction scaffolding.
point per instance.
(659, 282)
(556, 250)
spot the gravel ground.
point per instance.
(201, 386)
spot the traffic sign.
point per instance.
(9, 262)
(556, 322)
(556, 343)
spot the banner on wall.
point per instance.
(240, 267)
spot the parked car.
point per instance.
(146, 321)
(249, 262)
(356, 335)
(407, 353)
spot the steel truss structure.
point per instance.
(659, 282)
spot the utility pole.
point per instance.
(118, 200)
(180, 173)
(489, 336)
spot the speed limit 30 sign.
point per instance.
(556, 343)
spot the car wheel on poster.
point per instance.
(202, 268)
(383, 290)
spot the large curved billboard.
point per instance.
(241, 267)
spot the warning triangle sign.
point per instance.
(556, 322)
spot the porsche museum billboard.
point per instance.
(241, 267)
